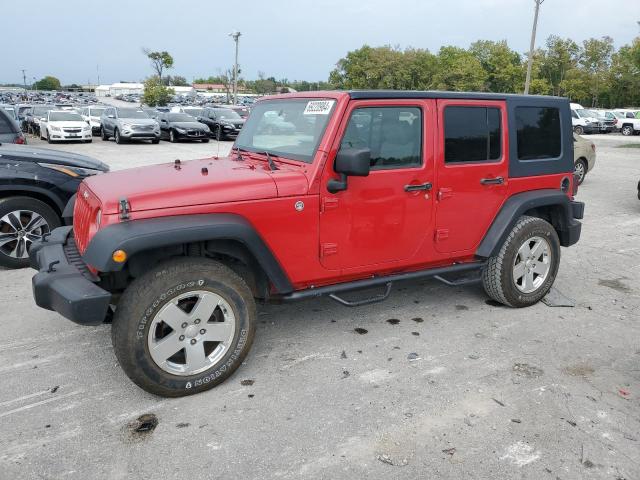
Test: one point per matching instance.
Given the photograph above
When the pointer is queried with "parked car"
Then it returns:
(240, 110)
(629, 125)
(584, 155)
(223, 122)
(35, 186)
(92, 116)
(124, 124)
(9, 129)
(584, 121)
(184, 254)
(180, 126)
(64, 125)
(35, 115)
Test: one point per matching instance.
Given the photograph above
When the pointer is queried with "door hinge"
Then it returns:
(445, 193)
(329, 203)
(327, 249)
(442, 234)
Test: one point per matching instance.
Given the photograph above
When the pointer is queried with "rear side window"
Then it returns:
(539, 135)
(6, 126)
(393, 134)
(472, 134)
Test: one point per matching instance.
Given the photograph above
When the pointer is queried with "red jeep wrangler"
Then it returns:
(323, 193)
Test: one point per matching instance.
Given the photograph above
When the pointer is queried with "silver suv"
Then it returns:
(124, 124)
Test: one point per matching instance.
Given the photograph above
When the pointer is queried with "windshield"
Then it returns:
(583, 112)
(65, 117)
(290, 128)
(96, 112)
(131, 113)
(226, 113)
(180, 117)
(41, 110)
(196, 112)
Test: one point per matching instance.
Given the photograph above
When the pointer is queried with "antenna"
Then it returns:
(218, 130)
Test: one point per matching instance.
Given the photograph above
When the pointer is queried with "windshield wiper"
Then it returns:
(238, 154)
(272, 164)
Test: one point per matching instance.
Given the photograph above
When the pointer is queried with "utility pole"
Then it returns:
(531, 47)
(98, 72)
(24, 80)
(236, 36)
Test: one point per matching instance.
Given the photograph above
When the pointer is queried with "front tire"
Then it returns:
(103, 135)
(116, 135)
(526, 266)
(578, 130)
(23, 220)
(172, 136)
(184, 326)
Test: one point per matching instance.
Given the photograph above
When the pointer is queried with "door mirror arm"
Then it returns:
(337, 185)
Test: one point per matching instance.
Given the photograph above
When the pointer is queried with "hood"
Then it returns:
(25, 153)
(188, 125)
(138, 121)
(164, 186)
(68, 123)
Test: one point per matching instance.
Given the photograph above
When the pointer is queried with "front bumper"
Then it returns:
(64, 136)
(63, 282)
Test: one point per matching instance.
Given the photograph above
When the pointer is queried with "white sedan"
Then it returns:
(64, 125)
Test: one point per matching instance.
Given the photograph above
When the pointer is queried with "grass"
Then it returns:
(630, 145)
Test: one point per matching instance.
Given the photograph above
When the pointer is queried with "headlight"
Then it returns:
(205, 128)
(181, 130)
(55, 129)
(86, 128)
(71, 171)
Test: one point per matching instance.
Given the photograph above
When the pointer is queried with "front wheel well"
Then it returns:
(35, 195)
(232, 253)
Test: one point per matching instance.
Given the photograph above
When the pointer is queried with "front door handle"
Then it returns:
(492, 181)
(415, 188)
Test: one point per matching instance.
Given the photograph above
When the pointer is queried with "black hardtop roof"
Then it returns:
(380, 94)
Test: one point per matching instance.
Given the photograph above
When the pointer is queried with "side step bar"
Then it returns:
(387, 281)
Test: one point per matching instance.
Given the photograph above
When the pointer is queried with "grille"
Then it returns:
(83, 215)
(74, 258)
(72, 130)
(142, 128)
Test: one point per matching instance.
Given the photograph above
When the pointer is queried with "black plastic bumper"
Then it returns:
(63, 283)
(571, 234)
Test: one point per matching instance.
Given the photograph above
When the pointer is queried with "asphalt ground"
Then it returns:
(436, 382)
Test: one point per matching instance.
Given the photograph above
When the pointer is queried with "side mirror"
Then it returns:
(354, 162)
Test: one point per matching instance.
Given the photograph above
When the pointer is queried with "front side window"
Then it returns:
(288, 128)
(538, 133)
(392, 134)
(472, 134)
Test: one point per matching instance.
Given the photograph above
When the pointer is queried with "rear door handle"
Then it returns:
(415, 188)
(492, 181)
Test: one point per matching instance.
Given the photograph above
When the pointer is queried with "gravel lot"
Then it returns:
(456, 388)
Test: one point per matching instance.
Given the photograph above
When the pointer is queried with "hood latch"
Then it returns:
(125, 209)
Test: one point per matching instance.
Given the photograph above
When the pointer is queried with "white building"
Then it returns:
(133, 89)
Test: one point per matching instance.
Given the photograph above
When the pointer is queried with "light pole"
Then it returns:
(236, 36)
(531, 47)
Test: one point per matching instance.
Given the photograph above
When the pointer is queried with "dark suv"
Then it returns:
(35, 186)
(364, 189)
(223, 122)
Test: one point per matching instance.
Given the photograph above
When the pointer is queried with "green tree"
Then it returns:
(504, 67)
(47, 83)
(459, 70)
(596, 62)
(160, 61)
(156, 93)
(176, 81)
(560, 57)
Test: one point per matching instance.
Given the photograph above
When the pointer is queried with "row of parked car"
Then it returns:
(585, 120)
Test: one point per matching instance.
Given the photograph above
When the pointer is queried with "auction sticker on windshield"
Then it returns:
(319, 107)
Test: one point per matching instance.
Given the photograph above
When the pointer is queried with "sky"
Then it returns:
(299, 40)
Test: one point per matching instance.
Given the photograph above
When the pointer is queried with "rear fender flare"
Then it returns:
(516, 206)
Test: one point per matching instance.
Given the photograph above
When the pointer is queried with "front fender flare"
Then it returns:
(139, 235)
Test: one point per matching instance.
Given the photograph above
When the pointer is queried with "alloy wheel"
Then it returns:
(580, 171)
(191, 333)
(532, 264)
(18, 230)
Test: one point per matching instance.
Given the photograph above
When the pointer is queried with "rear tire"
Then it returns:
(627, 130)
(162, 306)
(580, 170)
(532, 249)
